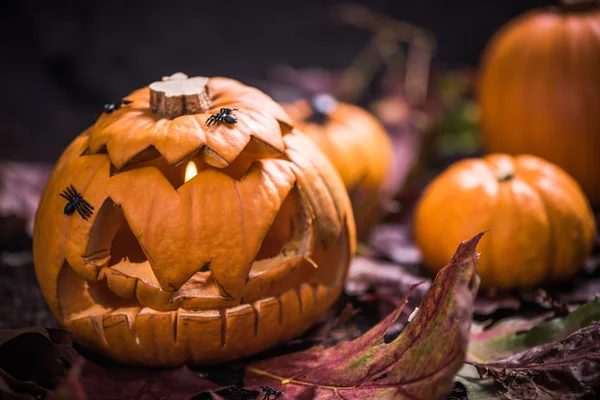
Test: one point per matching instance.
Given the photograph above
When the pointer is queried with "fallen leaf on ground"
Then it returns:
(37, 363)
(487, 304)
(395, 242)
(419, 364)
(365, 273)
(568, 369)
(34, 360)
(582, 292)
(348, 312)
(513, 335)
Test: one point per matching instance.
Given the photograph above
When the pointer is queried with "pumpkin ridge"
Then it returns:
(71, 245)
(552, 248)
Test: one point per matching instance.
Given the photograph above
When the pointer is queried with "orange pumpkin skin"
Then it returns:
(541, 227)
(221, 266)
(361, 151)
(540, 88)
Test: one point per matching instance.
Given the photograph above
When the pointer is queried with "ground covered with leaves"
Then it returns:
(395, 333)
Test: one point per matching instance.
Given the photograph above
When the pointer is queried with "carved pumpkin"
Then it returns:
(357, 145)
(245, 252)
(541, 227)
(540, 90)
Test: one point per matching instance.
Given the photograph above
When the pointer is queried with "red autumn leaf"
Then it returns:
(419, 364)
(40, 362)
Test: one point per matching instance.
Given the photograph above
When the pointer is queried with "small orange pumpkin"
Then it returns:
(540, 90)
(541, 227)
(357, 145)
(150, 266)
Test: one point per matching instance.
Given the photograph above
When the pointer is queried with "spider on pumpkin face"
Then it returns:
(224, 115)
(109, 108)
(75, 202)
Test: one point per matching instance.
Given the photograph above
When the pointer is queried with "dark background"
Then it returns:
(62, 60)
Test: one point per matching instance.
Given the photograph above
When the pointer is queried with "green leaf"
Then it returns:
(517, 334)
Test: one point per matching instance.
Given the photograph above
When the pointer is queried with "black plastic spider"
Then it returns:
(269, 391)
(109, 108)
(76, 203)
(224, 115)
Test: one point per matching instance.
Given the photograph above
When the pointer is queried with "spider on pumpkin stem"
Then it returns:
(76, 203)
(269, 391)
(109, 108)
(224, 115)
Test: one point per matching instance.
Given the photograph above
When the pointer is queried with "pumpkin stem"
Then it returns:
(578, 5)
(505, 174)
(322, 105)
(178, 95)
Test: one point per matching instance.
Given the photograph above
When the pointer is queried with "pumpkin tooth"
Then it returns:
(211, 157)
(90, 331)
(290, 316)
(306, 298)
(94, 264)
(155, 297)
(153, 327)
(198, 297)
(119, 329)
(268, 319)
(209, 322)
(274, 276)
(238, 328)
(122, 285)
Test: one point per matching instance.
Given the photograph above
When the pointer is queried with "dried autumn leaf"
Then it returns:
(513, 335)
(419, 364)
(568, 369)
(584, 290)
(366, 272)
(34, 360)
(38, 362)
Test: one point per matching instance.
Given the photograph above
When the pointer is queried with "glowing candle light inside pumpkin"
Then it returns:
(190, 171)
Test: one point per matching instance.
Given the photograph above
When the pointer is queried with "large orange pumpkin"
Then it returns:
(357, 145)
(246, 251)
(540, 90)
(541, 227)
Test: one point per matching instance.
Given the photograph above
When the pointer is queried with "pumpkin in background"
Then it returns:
(359, 148)
(541, 227)
(206, 241)
(540, 90)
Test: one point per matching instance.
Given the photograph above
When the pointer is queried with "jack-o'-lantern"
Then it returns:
(357, 145)
(191, 224)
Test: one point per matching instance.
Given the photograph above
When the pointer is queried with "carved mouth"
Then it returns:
(149, 326)
(141, 335)
(135, 333)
